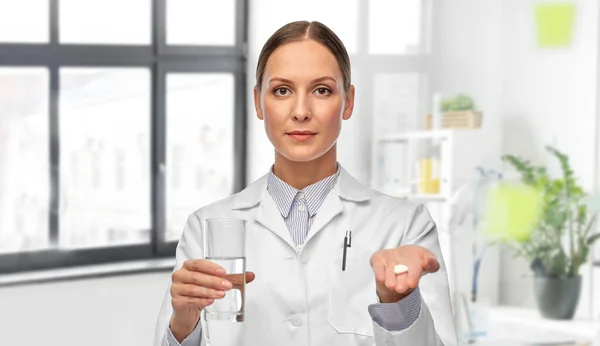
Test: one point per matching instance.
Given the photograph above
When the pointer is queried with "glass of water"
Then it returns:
(225, 245)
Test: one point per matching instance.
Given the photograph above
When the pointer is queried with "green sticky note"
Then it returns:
(512, 212)
(554, 24)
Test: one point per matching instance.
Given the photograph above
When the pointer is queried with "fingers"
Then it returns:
(401, 283)
(379, 270)
(413, 276)
(183, 302)
(194, 291)
(236, 279)
(390, 279)
(204, 266)
(201, 279)
(408, 280)
(199, 282)
(431, 263)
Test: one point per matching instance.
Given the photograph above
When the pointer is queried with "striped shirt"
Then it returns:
(299, 207)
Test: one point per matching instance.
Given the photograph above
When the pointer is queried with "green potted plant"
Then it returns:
(459, 102)
(561, 241)
(457, 112)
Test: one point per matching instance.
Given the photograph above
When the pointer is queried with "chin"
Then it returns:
(301, 154)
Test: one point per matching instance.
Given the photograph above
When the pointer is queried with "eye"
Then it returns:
(322, 91)
(281, 91)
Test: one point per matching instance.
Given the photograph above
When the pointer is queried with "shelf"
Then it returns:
(425, 197)
(419, 135)
(89, 271)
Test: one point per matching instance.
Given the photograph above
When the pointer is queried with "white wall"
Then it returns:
(534, 96)
(549, 98)
(116, 311)
(467, 58)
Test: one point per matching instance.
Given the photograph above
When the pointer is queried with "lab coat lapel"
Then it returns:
(331, 207)
(348, 189)
(268, 215)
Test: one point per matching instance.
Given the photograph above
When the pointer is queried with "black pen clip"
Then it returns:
(347, 244)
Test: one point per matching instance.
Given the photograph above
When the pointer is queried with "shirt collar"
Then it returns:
(284, 194)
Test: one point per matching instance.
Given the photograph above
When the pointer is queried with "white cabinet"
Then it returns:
(459, 153)
(429, 167)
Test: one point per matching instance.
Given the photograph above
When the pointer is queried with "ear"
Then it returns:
(349, 104)
(257, 106)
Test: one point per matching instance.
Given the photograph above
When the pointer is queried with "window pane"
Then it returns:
(395, 26)
(24, 159)
(398, 106)
(105, 156)
(105, 21)
(339, 15)
(193, 22)
(397, 102)
(200, 123)
(24, 21)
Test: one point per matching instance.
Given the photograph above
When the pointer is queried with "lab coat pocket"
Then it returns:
(351, 292)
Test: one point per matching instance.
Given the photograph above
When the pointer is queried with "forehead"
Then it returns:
(303, 59)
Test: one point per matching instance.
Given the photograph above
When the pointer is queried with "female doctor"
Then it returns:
(297, 216)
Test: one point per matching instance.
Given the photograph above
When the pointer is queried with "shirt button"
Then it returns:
(296, 321)
(301, 195)
(301, 207)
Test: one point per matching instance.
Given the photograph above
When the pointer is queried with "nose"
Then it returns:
(301, 111)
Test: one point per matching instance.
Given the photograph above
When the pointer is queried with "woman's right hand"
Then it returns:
(195, 286)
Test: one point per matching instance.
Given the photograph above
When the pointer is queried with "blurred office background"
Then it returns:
(119, 118)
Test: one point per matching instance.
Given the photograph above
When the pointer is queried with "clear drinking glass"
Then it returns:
(224, 244)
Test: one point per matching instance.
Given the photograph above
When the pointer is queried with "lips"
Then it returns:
(302, 133)
(302, 136)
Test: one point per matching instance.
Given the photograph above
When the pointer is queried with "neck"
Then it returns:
(302, 174)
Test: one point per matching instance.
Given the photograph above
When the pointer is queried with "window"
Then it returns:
(105, 22)
(24, 143)
(24, 21)
(189, 23)
(200, 121)
(112, 116)
(401, 20)
(103, 112)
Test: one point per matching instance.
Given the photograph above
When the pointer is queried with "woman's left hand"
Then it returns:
(393, 287)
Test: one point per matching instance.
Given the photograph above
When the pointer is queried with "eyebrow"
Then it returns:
(314, 81)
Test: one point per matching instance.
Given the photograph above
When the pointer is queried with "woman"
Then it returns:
(297, 216)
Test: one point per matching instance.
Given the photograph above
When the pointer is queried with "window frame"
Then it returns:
(418, 63)
(160, 59)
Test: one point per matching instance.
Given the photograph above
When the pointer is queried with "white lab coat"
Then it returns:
(300, 296)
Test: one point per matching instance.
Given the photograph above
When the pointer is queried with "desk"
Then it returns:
(511, 326)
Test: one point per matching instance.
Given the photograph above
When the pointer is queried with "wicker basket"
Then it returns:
(457, 120)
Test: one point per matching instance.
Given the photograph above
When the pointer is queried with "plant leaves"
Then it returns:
(590, 224)
(592, 239)
(564, 217)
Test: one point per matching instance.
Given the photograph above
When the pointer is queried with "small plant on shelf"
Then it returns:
(459, 102)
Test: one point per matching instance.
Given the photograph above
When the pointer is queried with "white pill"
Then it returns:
(400, 269)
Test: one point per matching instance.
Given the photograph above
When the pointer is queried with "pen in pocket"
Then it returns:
(347, 244)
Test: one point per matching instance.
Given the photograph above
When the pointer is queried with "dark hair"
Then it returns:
(304, 30)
